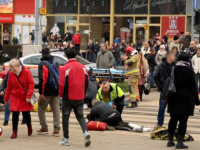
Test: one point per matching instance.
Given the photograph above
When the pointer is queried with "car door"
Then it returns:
(32, 63)
(60, 60)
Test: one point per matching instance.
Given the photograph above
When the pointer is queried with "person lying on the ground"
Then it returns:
(102, 112)
(111, 94)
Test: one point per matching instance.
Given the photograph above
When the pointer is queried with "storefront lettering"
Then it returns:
(132, 4)
(160, 2)
(6, 18)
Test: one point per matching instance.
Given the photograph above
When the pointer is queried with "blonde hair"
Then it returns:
(14, 62)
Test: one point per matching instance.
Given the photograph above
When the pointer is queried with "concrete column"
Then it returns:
(112, 18)
(38, 27)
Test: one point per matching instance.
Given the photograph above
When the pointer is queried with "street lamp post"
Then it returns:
(38, 27)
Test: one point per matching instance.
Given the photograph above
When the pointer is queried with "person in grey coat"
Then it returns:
(105, 58)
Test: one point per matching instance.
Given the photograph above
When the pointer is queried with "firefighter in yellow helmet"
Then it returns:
(133, 74)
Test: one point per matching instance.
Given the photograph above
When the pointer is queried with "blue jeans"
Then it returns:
(116, 62)
(197, 77)
(161, 111)
(95, 57)
(32, 41)
(152, 80)
(7, 111)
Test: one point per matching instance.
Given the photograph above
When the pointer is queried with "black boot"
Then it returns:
(141, 89)
(180, 144)
(170, 140)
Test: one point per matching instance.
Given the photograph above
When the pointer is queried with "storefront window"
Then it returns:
(85, 37)
(124, 28)
(62, 6)
(189, 23)
(141, 20)
(131, 6)
(95, 7)
(153, 30)
(55, 25)
(155, 20)
(166, 7)
(71, 19)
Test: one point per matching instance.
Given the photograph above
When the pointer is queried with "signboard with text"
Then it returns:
(173, 25)
(7, 18)
(6, 6)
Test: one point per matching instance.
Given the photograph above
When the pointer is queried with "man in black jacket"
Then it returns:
(160, 75)
(68, 36)
(32, 36)
(47, 95)
(102, 112)
(150, 56)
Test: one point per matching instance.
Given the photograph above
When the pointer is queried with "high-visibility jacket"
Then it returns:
(134, 68)
(115, 92)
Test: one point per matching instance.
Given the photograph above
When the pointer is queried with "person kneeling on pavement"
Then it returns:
(111, 94)
(102, 112)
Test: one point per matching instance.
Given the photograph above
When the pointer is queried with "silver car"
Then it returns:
(32, 61)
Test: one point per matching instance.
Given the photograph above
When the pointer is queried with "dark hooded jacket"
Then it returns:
(162, 72)
(151, 60)
(43, 72)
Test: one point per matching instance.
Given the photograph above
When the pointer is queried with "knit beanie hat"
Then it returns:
(176, 37)
(184, 57)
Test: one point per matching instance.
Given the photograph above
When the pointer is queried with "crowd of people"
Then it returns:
(151, 62)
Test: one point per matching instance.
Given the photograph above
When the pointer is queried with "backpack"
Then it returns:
(169, 87)
(54, 75)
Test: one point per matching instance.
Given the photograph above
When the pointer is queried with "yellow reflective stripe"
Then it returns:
(133, 71)
(133, 95)
(98, 124)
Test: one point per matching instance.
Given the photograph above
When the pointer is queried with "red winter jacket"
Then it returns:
(77, 39)
(17, 93)
(74, 81)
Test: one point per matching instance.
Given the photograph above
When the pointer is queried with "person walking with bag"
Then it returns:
(181, 104)
(48, 72)
(20, 89)
(161, 73)
(73, 85)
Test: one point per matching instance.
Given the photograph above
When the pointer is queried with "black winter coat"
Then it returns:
(151, 61)
(186, 96)
(100, 111)
(161, 73)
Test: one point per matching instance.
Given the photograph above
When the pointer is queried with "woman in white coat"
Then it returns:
(196, 67)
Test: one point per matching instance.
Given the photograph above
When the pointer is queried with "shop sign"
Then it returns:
(168, 7)
(131, 6)
(6, 6)
(6, 18)
(43, 11)
(173, 25)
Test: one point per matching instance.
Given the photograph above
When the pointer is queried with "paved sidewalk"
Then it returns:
(145, 114)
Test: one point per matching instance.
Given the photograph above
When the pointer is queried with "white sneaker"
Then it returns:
(85, 106)
(64, 142)
(140, 130)
(87, 139)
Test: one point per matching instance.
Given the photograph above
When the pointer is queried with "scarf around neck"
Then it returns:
(183, 63)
